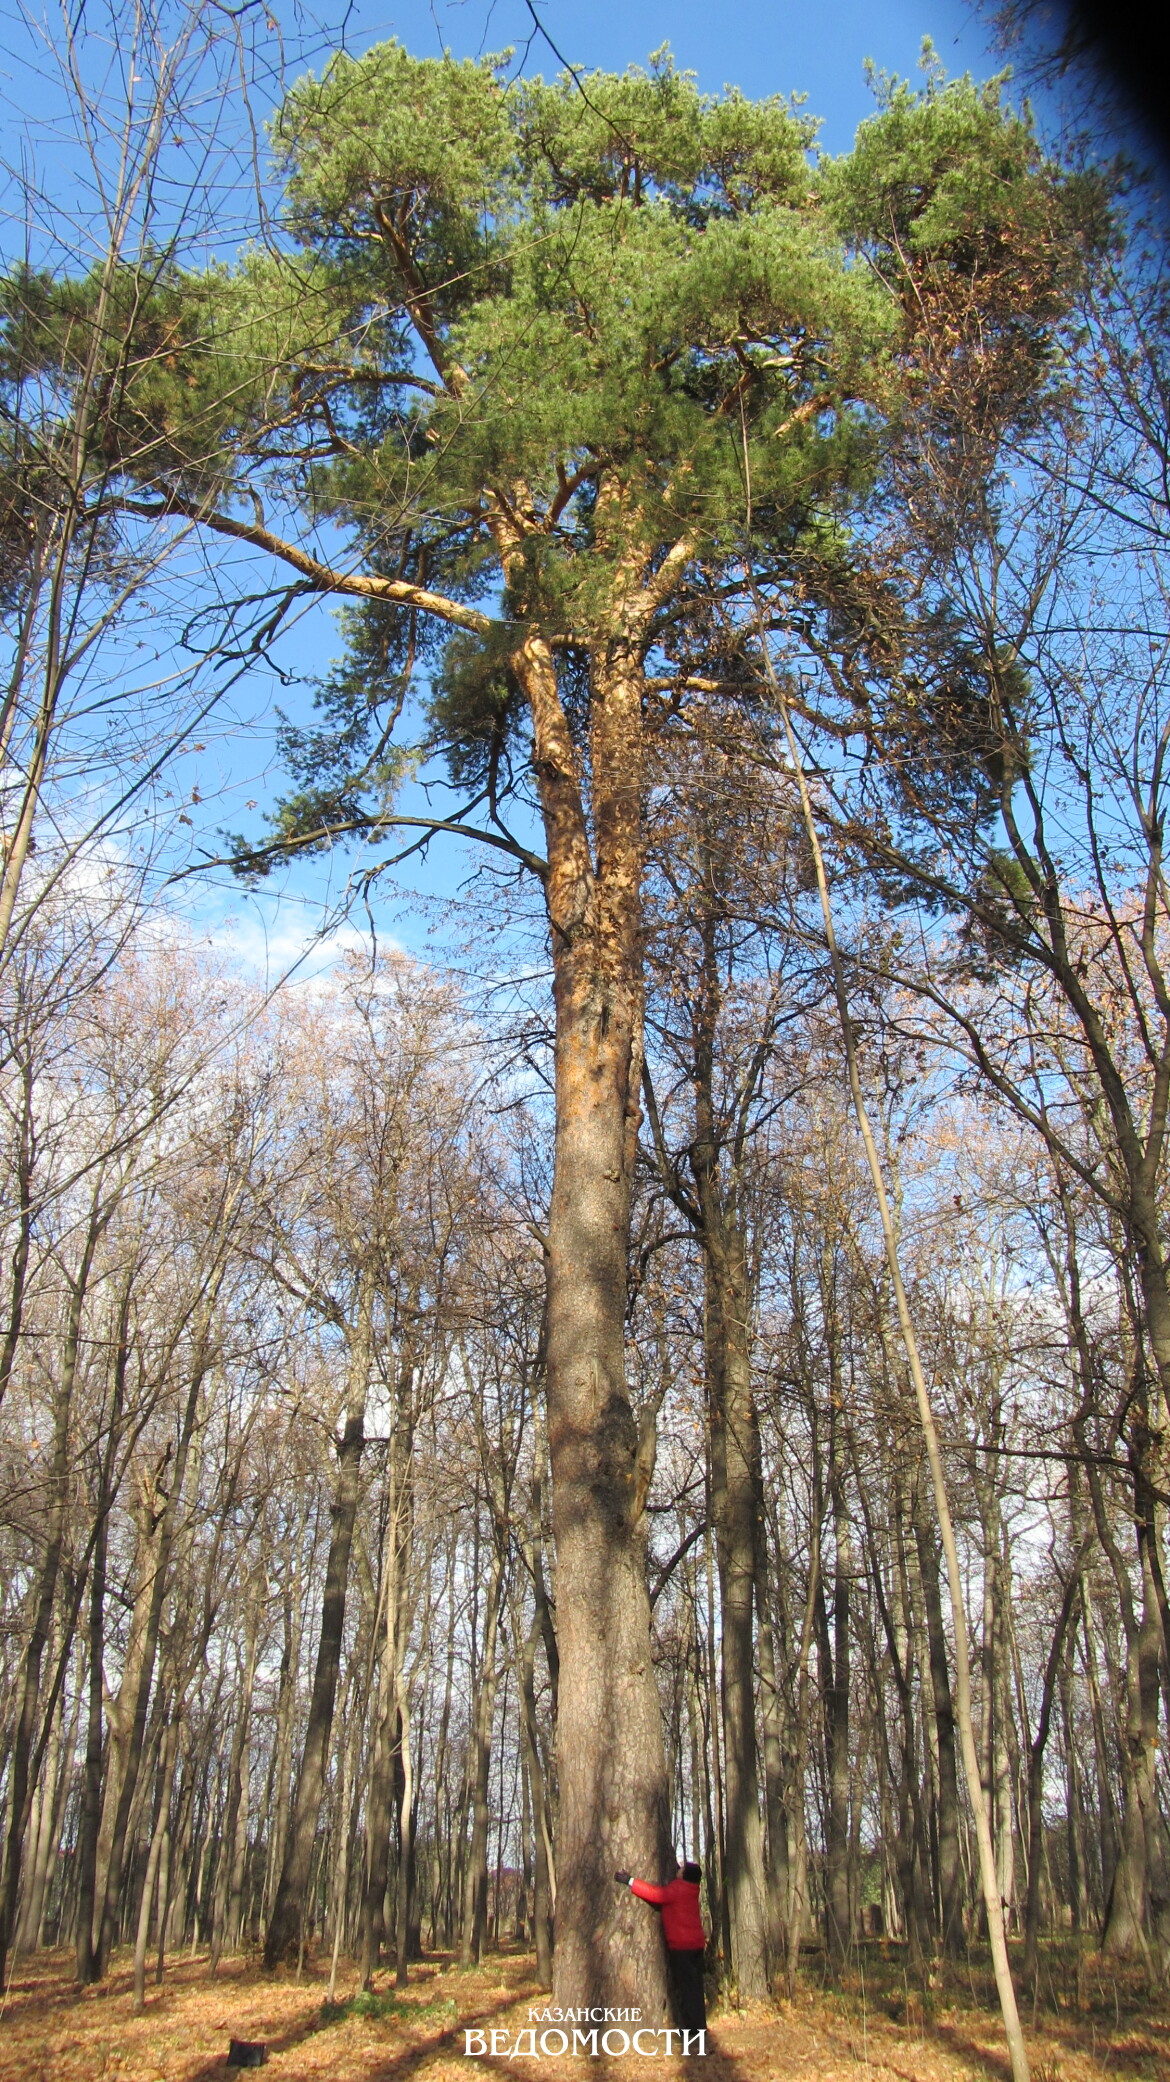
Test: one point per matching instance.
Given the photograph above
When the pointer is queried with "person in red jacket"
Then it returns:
(686, 1940)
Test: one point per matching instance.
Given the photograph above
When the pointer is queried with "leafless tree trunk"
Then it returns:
(285, 1926)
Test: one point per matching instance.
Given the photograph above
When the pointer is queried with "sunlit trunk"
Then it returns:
(611, 1758)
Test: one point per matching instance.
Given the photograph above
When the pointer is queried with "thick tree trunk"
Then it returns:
(1127, 1903)
(1139, 1850)
(611, 1757)
(283, 1937)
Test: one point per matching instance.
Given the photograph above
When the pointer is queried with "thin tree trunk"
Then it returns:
(1054, 1663)
(475, 1881)
(89, 1826)
(542, 1906)
(440, 1863)
(798, 1866)
(949, 1859)
(229, 1878)
(286, 1923)
(282, 1760)
(404, 1880)
(838, 1927)
(167, 1767)
(19, 1788)
(379, 1808)
(998, 1936)
(772, 1724)
(716, 1864)
(26, 1152)
(1074, 1798)
(735, 1509)
(390, 1722)
(1106, 1805)
(134, 1750)
(43, 1834)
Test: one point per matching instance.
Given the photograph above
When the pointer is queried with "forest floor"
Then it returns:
(1090, 2027)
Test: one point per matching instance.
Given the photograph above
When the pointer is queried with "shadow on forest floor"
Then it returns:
(882, 2023)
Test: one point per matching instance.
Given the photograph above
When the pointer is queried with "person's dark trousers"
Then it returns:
(687, 1998)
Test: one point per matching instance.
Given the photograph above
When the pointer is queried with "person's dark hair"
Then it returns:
(692, 1872)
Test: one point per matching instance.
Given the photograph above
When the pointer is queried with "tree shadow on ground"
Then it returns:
(443, 2044)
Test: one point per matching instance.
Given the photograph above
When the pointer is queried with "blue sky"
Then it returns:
(780, 47)
(784, 47)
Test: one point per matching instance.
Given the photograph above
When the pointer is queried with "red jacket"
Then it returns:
(682, 1925)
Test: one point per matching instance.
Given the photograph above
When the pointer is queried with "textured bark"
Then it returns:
(1139, 1849)
(611, 1758)
(1127, 1896)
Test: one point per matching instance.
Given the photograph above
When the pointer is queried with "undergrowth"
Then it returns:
(367, 2003)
